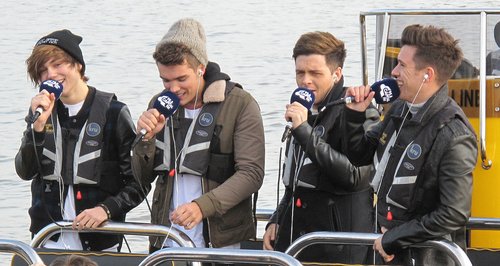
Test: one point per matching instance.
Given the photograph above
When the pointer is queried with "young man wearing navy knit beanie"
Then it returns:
(75, 149)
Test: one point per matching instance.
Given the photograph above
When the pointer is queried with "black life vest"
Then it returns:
(193, 140)
(88, 148)
(399, 185)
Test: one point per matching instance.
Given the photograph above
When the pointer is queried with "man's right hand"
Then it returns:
(47, 101)
(363, 96)
(269, 237)
(152, 121)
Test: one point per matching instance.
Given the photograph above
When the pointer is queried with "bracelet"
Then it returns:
(106, 210)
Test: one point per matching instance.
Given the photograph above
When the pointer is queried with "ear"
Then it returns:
(201, 70)
(429, 74)
(337, 74)
(78, 66)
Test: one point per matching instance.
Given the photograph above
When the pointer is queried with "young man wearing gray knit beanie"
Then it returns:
(208, 157)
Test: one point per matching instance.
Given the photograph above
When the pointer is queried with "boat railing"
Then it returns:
(476, 223)
(23, 250)
(244, 255)
(484, 223)
(220, 255)
(263, 215)
(343, 238)
(127, 228)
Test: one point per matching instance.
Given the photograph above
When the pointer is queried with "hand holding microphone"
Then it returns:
(153, 120)
(43, 103)
(301, 101)
(359, 98)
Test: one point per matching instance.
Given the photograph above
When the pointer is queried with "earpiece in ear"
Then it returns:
(200, 72)
(426, 76)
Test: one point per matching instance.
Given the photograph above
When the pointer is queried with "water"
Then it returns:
(252, 41)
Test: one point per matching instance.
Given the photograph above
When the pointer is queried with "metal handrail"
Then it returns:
(432, 11)
(476, 223)
(484, 223)
(21, 249)
(344, 238)
(485, 162)
(220, 255)
(263, 215)
(127, 228)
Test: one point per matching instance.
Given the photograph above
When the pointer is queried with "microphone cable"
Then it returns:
(136, 141)
(278, 190)
(138, 179)
(409, 107)
(60, 182)
(298, 166)
(175, 183)
(383, 173)
(178, 155)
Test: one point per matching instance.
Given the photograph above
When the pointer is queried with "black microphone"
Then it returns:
(166, 103)
(386, 91)
(303, 96)
(51, 86)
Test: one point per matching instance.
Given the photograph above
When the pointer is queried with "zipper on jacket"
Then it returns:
(208, 222)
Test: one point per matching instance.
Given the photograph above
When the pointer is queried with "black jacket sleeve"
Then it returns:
(143, 156)
(285, 200)
(347, 175)
(27, 157)
(359, 141)
(133, 192)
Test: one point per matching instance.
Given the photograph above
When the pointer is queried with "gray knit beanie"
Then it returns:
(189, 32)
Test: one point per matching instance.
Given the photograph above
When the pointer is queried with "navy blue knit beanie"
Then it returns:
(67, 41)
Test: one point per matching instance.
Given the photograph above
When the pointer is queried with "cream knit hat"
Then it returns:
(189, 32)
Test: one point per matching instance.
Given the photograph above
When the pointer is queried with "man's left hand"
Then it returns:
(377, 246)
(187, 215)
(90, 218)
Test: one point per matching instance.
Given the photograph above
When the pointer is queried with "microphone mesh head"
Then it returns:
(52, 86)
(386, 90)
(303, 96)
(167, 103)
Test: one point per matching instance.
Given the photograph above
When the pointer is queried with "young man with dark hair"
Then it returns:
(329, 193)
(424, 150)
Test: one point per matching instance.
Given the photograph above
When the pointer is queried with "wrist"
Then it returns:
(106, 210)
(38, 127)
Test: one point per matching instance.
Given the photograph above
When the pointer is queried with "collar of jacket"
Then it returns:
(82, 115)
(215, 81)
(336, 92)
(434, 104)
